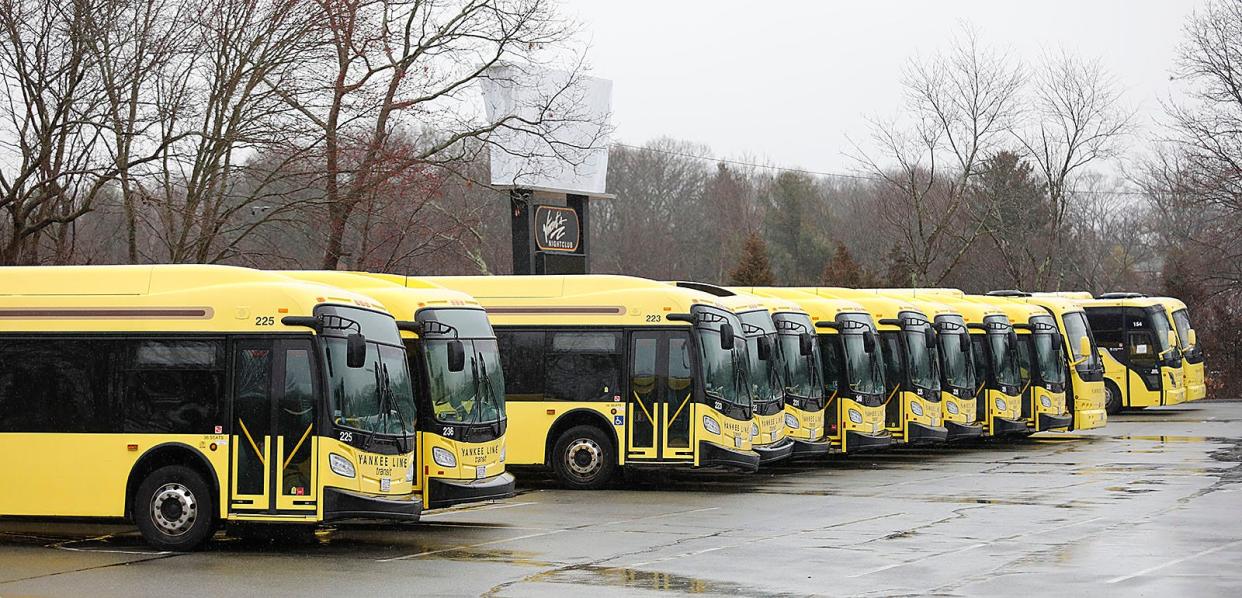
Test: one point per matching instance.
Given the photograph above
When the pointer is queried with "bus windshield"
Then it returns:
(864, 371)
(1160, 323)
(1076, 328)
(724, 372)
(1181, 319)
(474, 395)
(1048, 359)
(959, 368)
(378, 397)
(765, 374)
(1004, 354)
(802, 375)
(924, 372)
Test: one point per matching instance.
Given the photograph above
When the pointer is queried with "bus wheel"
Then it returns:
(173, 509)
(1112, 398)
(583, 458)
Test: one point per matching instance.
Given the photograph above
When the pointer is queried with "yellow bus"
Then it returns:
(1139, 348)
(458, 385)
(852, 371)
(957, 366)
(912, 409)
(603, 372)
(182, 397)
(1084, 395)
(1041, 366)
(1193, 368)
(994, 350)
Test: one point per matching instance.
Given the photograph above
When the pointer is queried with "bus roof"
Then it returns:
(931, 303)
(184, 298)
(819, 308)
(973, 309)
(881, 307)
(1018, 312)
(570, 299)
(402, 301)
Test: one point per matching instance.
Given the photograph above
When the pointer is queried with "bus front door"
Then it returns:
(272, 443)
(661, 397)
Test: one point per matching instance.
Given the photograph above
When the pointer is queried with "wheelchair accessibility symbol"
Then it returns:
(618, 420)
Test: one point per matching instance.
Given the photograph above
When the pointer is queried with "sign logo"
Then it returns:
(556, 228)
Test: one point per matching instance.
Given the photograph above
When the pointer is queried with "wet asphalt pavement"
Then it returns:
(1149, 505)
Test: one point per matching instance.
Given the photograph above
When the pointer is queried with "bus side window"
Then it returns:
(583, 366)
(521, 359)
(1142, 348)
(58, 385)
(174, 386)
(1108, 328)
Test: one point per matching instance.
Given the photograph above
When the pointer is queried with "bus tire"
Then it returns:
(174, 510)
(1112, 398)
(583, 458)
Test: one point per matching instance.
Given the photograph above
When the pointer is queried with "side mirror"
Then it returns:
(764, 346)
(869, 341)
(929, 336)
(806, 344)
(1084, 347)
(1056, 340)
(726, 336)
(456, 356)
(355, 350)
(964, 339)
(1013, 340)
(1192, 339)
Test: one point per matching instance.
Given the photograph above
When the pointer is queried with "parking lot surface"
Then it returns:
(1148, 505)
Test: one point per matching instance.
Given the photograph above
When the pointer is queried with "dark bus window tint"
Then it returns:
(1107, 326)
(174, 387)
(57, 385)
(894, 371)
(521, 358)
(680, 389)
(297, 416)
(583, 366)
(252, 413)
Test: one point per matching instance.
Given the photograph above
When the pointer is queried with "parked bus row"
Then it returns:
(187, 398)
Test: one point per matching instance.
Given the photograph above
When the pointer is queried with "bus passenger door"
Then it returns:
(643, 397)
(678, 381)
(272, 443)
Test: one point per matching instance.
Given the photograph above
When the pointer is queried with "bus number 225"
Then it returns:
(264, 321)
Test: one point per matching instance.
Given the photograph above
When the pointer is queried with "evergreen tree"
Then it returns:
(753, 270)
(843, 271)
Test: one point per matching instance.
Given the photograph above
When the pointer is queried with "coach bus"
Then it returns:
(1041, 366)
(1140, 350)
(181, 397)
(604, 372)
(957, 366)
(852, 371)
(1084, 393)
(1193, 368)
(912, 403)
(458, 385)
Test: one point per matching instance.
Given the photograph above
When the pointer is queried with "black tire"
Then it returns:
(174, 510)
(583, 458)
(1112, 398)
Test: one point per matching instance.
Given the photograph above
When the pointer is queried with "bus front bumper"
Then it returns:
(917, 433)
(810, 448)
(777, 451)
(714, 455)
(1048, 421)
(857, 442)
(345, 504)
(959, 431)
(444, 492)
(1002, 426)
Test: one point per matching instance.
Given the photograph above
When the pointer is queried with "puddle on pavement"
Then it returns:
(636, 579)
(1167, 439)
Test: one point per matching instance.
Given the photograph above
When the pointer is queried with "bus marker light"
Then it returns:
(132, 447)
(282, 310)
(551, 412)
(613, 411)
(213, 447)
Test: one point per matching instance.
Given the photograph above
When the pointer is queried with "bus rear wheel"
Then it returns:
(173, 509)
(583, 458)
(1112, 398)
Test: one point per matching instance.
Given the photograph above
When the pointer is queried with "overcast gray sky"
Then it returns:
(792, 81)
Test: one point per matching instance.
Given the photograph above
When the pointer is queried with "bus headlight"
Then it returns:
(409, 472)
(754, 430)
(951, 407)
(341, 466)
(711, 425)
(502, 453)
(916, 408)
(1000, 404)
(1045, 401)
(442, 457)
(855, 416)
(791, 421)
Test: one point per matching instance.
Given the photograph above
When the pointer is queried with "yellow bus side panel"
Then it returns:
(526, 437)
